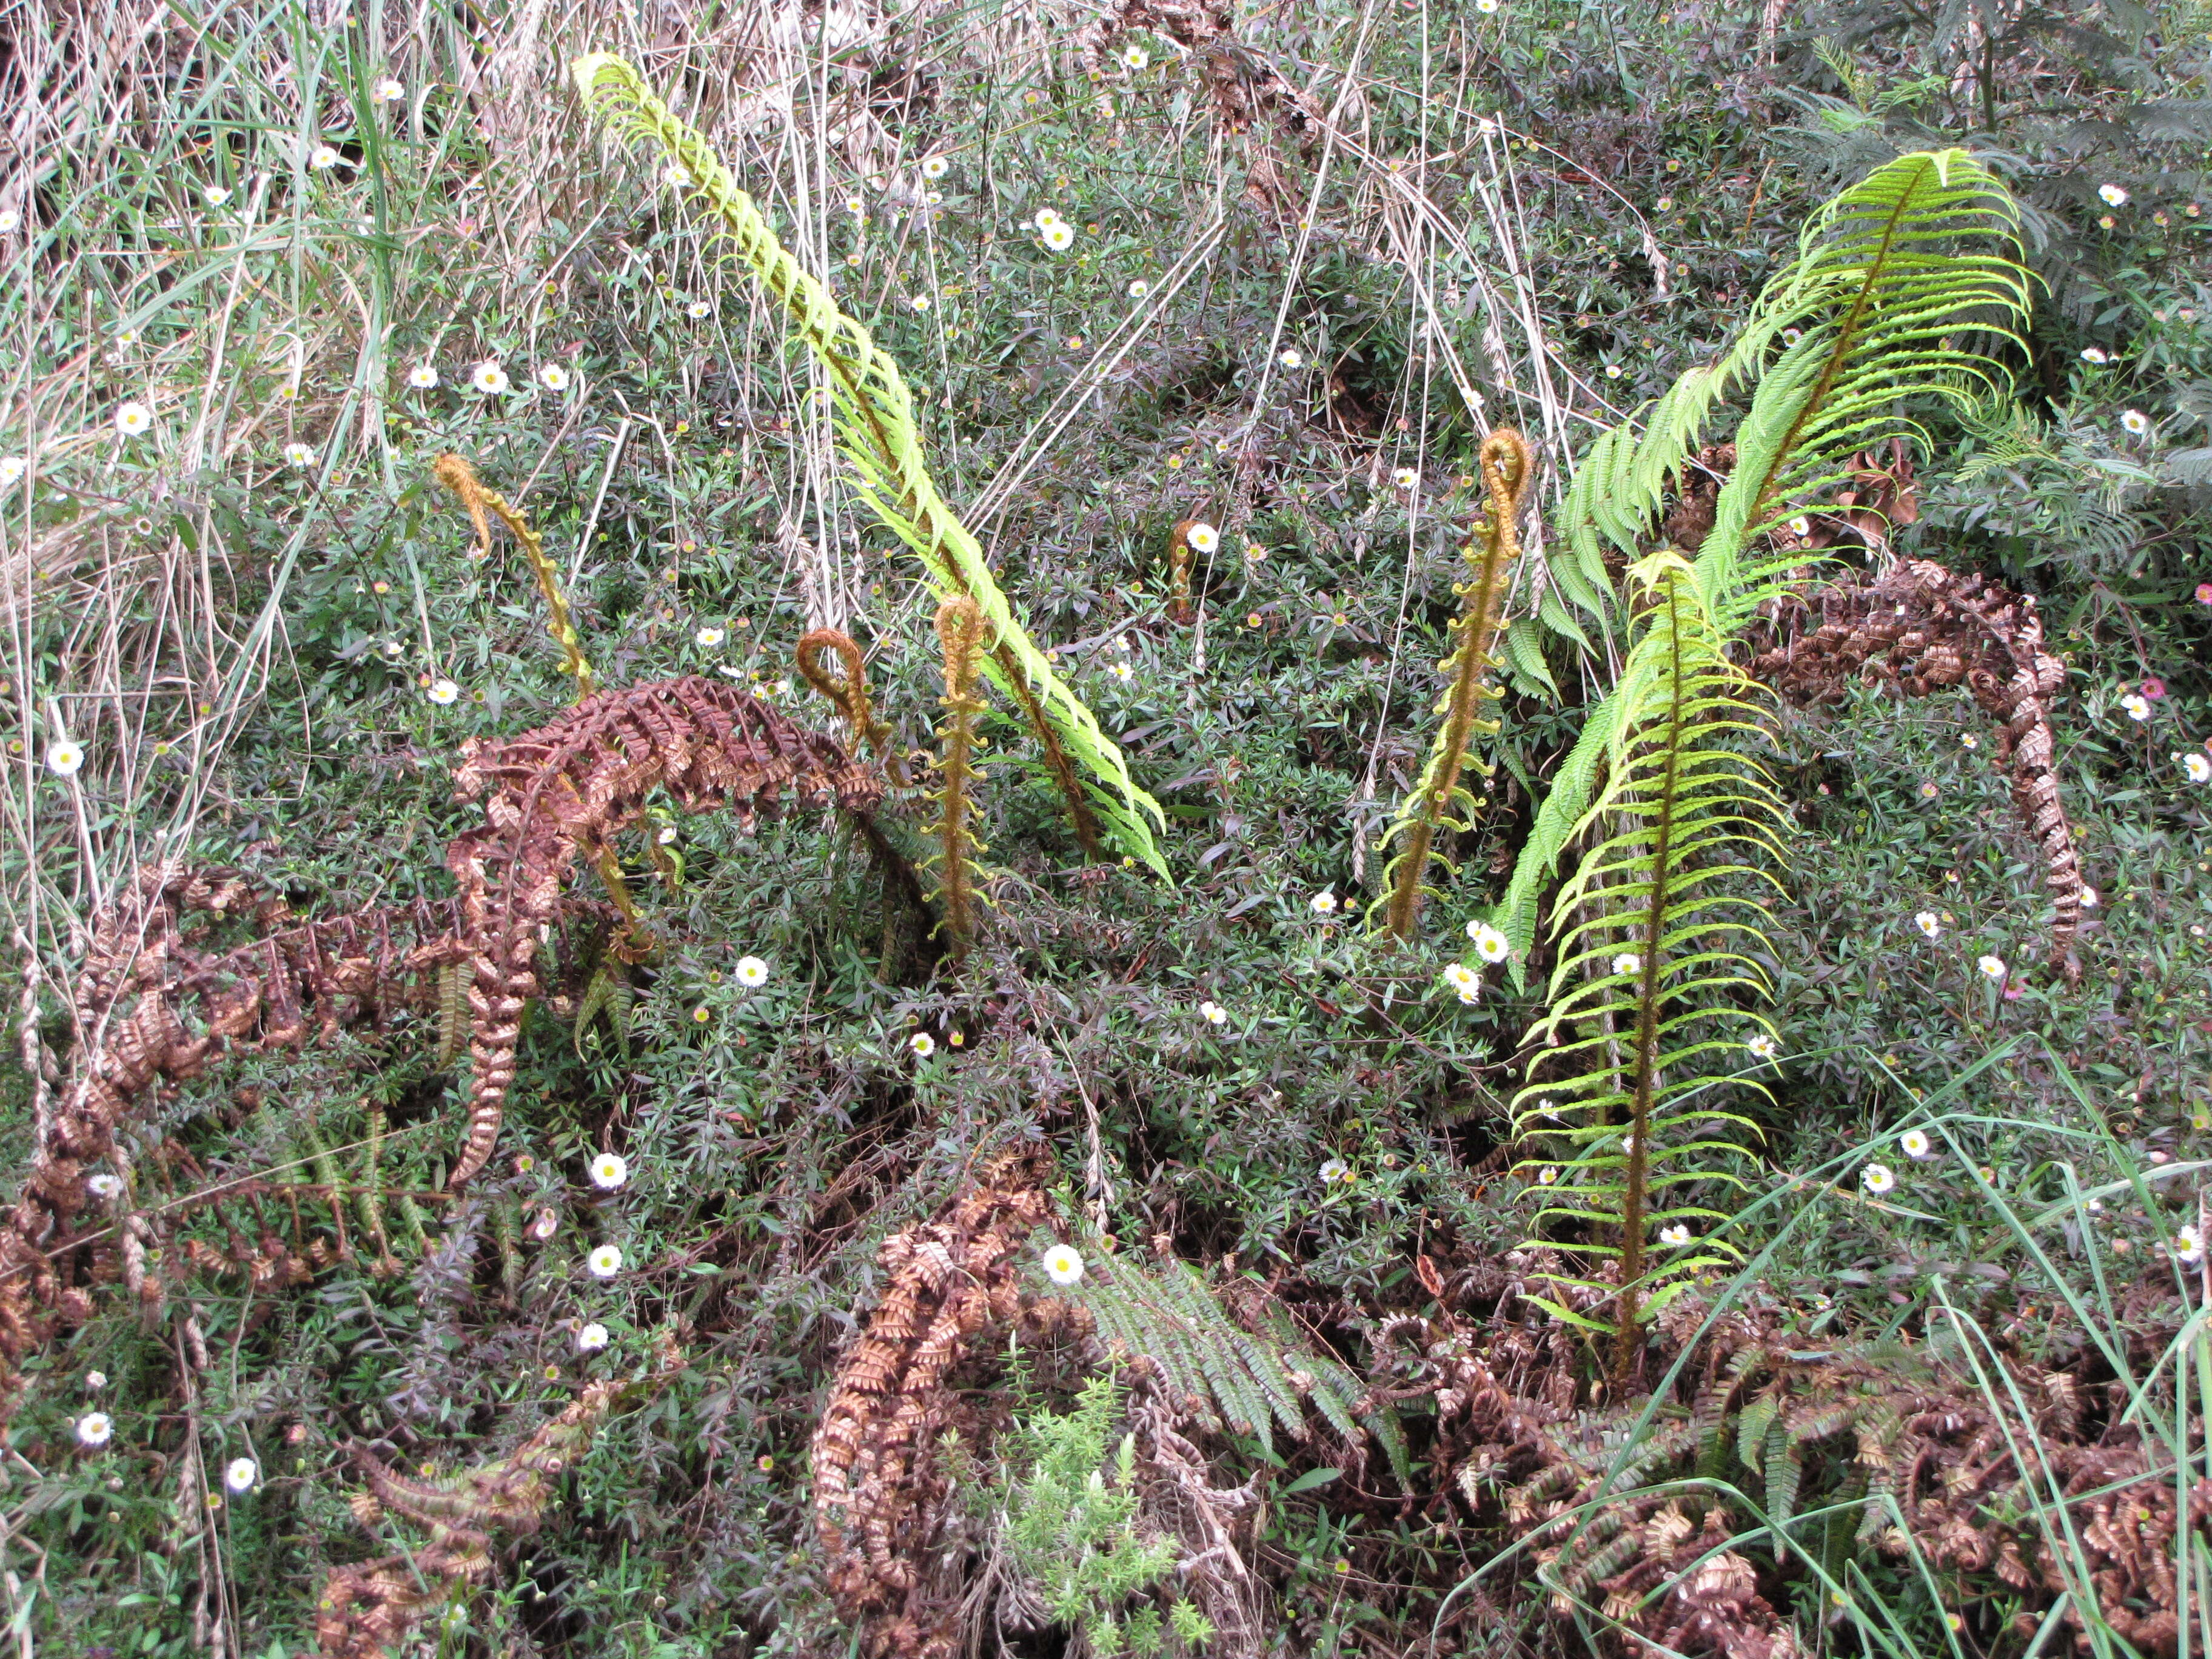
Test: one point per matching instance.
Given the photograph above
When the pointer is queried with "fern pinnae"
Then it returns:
(879, 437)
(960, 625)
(1507, 467)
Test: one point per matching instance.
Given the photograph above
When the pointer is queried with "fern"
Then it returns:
(1506, 470)
(1653, 940)
(1890, 278)
(876, 426)
(960, 629)
(1169, 1316)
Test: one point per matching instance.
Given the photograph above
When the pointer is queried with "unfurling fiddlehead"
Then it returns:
(876, 426)
(1506, 465)
(457, 475)
(849, 693)
(960, 626)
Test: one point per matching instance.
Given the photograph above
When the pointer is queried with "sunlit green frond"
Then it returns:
(1900, 286)
(1659, 940)
(877, 435)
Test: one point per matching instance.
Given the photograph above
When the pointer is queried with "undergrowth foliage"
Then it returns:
(540, 1133)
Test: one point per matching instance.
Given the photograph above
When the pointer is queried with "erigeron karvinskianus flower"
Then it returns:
(388, 91)
(134, 420)
(1927, 923)
(299, 455)
(2136, 705)
(240, 1473)
(1405, 478)
(592, 1338)
(1059, 236)
(215, 195)
(488, 378)
(1323, 903)
(1628, 962)
(444, 692)
(1334, 1170)
(2198, 768)
(2112, 195)
(1676, 1235)
(1488, 8)
(1063, 1266)
(1459, 976)
(1202, 537)
(1992, 969)
(605, 1262)
(543, 1224)
(1489, 944)
(2189, 1245)
(751, 972)
(2094, 355)
(1547, 1176)
(709, 637)
(553, 377)
(923, 1044)
(2136, 421)
(1763, 1047)
(1136, 57)
(12, 467)
(609, 1170)
(1214, 1013)
(94, 1429)
(324, 159)
(95, 1381)
(1877, 1179)
(1139, 288)
(1916, 1146)
(423, 377)
(1291, 358)
(936, 167)
(64, 757)
(104, 1185)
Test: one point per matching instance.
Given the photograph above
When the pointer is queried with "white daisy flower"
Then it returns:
(240, 1473)
(393, 648)
(1991, 967)
(12, 467)
(1202, 537)
(423, 377)
(324, 159)
(592, 1338)
(443, 692)
(1928, 923)
(2198, 768)
(1628, 962)
(1763, 1047)
(1059, 236)
(1334, 1170)
(94, 1429)
(104, 1185)
(2137, 706)
(1612, 371)
(2113, 194)
(134, 420)
(675, 178)
(1139, 288)
(1470, 990)
(388, 91)
(1405, 478)
(1063, 1266)
(1547, 1176)
(216, 195)
(609, 1170)
(605, 1262)
(1877, 1179)
(1801, 526)
(666, 836)
(1487, 8)
(2093, 355)
(299, 455)
(1046, 218)
(934, 199)
(1323, 903)
(9, 218)
(923, 1044)
(2189, 1245)
(1459, 975)
(488, 378)
(936, 167)
(553, 377)
(1916, 1146)
(543, 1224)
(2136, 421)
(64, 757)
(1489, 944)
(1291, 357)
(752, 973)
(919, 302)
(1214, 1013)
(95, 1381)
(1677, 1235)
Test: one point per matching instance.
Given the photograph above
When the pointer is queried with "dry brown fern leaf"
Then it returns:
(1921, 628)
(372, 1607)
(152, 1005)
(875, 1501)
(570, 787)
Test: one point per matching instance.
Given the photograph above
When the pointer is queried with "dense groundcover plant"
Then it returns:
(1159, 828)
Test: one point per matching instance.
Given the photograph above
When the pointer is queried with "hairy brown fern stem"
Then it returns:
(457, 475)
(849, 694)
(1921, 628)
(877, 1504)
(960, 626)
(1507, 468)
(570, 787)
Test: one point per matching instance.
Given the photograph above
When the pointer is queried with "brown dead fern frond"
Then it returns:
(569, 788)
(877, 1502)
(1921, 628)
(371, 1608)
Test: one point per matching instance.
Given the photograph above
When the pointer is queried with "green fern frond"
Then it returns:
(876, 432)
(1657, 942)
(1896, 284)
